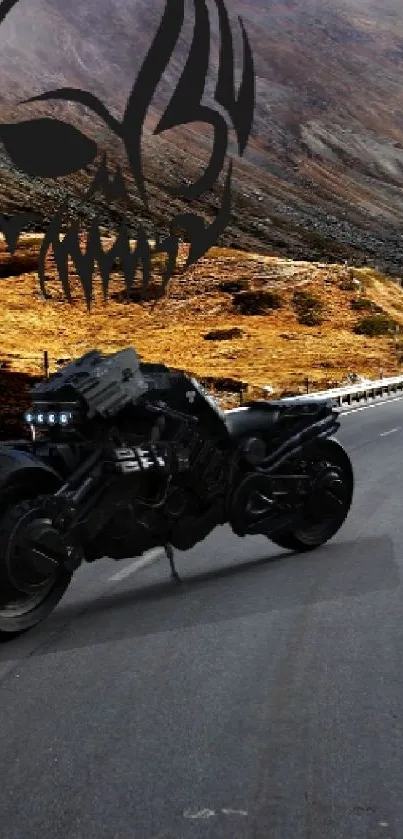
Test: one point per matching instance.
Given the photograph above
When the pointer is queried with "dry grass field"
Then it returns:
(233, 316)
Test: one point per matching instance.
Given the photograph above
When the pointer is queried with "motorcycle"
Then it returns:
(125, 456)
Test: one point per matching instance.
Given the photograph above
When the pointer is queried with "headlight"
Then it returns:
(51, 418)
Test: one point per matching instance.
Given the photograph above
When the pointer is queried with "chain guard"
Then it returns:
(255, 499)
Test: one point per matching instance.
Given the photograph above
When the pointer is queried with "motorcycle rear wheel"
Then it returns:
(21, 610)
(317, 529)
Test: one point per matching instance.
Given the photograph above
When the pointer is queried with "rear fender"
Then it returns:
(335, 447)
(22, 470)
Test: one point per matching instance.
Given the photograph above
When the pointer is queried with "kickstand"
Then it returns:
(170, 554)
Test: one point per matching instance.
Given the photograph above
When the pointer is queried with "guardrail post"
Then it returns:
(46, 363)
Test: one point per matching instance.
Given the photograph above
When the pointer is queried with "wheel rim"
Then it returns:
(22, 587)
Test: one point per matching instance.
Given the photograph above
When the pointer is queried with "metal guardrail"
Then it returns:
(363, 392)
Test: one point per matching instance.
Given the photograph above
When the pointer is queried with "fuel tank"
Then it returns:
(185, 394)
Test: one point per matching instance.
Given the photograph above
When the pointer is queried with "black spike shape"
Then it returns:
(12, 227)
(185, 105)
(112, 187)
(241, 108)
(82, 97)
(84, 260)
(203, 238)
(52, 240)
(150, 75)
(5, 8)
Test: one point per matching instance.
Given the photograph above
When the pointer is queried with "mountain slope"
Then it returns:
(323, 173)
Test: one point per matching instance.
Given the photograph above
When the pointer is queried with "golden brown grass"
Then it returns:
(273, 349)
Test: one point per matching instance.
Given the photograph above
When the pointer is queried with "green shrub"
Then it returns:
(15, 265)
(273, 299)
(374, 325)
(310, 318)
(233, 286)
(364, 303)
(256, 302)
(223, 334)
(309, 308)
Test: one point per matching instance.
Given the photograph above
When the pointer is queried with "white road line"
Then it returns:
(147, 559)
(201, 814)
(392, 431)
(207, 814)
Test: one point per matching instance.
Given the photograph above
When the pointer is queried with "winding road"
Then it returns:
(261, 700)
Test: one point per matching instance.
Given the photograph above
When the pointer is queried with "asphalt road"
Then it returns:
(263, 700)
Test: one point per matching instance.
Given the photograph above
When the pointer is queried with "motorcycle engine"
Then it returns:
(101, 400)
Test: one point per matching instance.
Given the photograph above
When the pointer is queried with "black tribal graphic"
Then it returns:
(51, 148)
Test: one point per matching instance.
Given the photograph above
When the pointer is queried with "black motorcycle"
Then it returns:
(125, 456)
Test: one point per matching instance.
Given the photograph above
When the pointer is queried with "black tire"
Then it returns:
(313, 534)
(18, 611)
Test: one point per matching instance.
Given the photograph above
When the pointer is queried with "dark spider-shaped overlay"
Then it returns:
(51, 148)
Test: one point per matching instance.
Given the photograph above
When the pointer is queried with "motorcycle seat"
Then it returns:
(248, 420)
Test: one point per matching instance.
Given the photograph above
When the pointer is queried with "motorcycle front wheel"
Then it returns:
(326, 509)
(27, 596)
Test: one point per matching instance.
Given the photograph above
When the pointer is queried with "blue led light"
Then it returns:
(51, 418)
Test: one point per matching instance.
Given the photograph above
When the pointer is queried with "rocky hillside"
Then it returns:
(322, 176)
